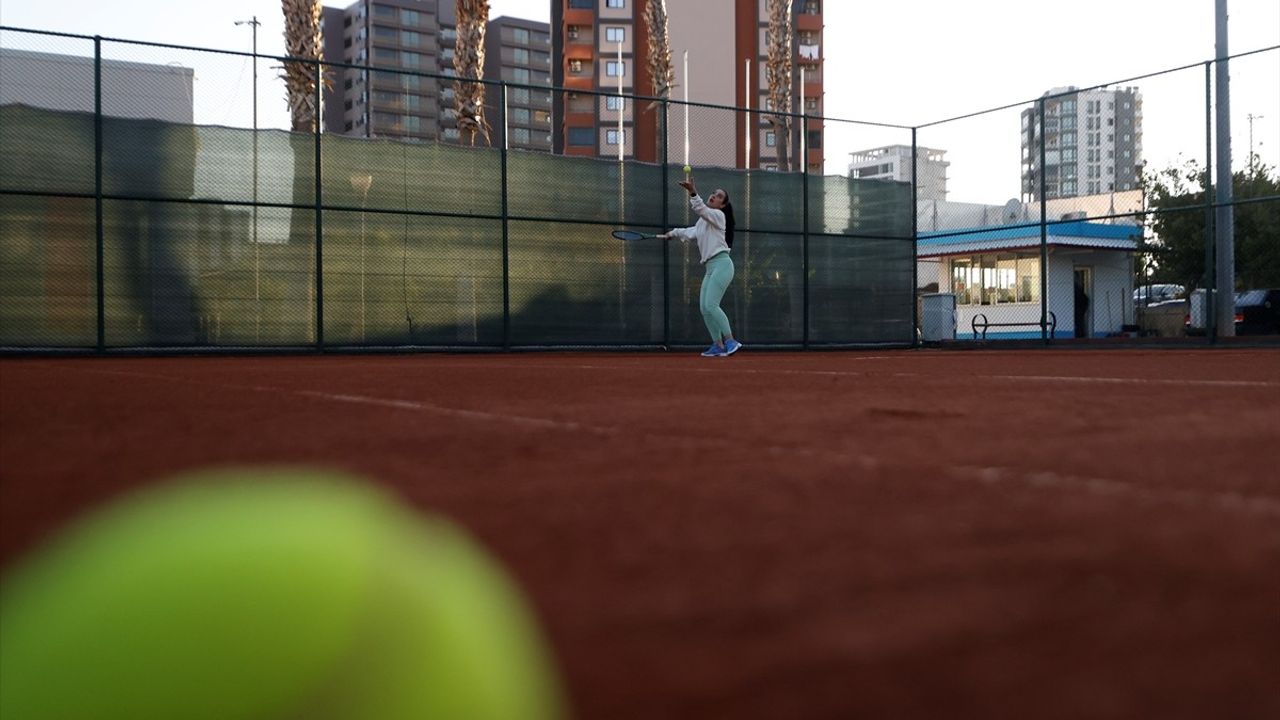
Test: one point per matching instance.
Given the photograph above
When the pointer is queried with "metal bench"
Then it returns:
(980, 321)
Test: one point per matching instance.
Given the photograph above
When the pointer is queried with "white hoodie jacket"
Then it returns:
(709, 232)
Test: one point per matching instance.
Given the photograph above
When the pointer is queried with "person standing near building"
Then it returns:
(1081, 309)
(714, 235)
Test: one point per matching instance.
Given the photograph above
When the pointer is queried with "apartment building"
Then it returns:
(601, 49)
(893, 162)
(1092, 143)
(66, 82)
(518, 52)
(398, 39)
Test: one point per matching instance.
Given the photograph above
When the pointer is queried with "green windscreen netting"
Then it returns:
(210, 236)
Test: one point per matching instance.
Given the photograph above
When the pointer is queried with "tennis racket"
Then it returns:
(633, 235)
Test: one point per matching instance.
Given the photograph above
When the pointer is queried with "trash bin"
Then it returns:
(937, 317)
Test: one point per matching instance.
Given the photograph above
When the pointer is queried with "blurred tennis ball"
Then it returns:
(277, 594)
(687, 169)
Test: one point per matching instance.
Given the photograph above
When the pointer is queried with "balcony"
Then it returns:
(810, 22)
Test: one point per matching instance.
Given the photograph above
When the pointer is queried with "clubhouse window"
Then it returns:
(996, 279)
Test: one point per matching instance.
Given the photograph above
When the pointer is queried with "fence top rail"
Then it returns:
(799, 116)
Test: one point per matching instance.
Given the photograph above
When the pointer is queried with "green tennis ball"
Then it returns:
(687, 169)
(278, 594)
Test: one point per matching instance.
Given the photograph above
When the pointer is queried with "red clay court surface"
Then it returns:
(903, 534)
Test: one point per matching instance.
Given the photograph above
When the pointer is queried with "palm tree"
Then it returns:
(302, 39)
(778, 72)
(468, 62)
(661, 71)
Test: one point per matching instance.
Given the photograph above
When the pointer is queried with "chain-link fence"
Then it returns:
(161, 196)
(1098, 228)
(130, 223)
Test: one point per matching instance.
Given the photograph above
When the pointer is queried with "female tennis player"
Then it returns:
(714, 233)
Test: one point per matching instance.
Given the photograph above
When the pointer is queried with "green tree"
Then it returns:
(1176, 203)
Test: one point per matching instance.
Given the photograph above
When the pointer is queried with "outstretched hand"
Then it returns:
(688, 185)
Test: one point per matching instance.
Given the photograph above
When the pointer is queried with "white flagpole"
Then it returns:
(686, 108)
(621, 104)
(747, 130)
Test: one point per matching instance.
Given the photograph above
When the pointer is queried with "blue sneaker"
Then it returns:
(713, 351)
(731, 347)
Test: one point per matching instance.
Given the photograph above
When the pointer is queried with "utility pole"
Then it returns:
(1224, 213)
(257, 292)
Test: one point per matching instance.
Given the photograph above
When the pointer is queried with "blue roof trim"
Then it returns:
(1101, 236)
(1076, 229)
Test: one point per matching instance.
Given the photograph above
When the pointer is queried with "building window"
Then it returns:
(582, 137)
(452, 134)
(410, 60)
(615, 34)
(520, 116)
(611, 137)
(615, 102)
(521, 56)
(519, 95)
(410, 17)
(520, 135)
(613, 68)
(770, 139)
(409, 38)
(384, 11)
(815, 139)
(520, 75)
(995, 280)
(520, 35)
(575, 67)
(582, 4)
(572, 32)
(615, 3)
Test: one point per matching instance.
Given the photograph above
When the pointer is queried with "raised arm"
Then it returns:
(700, 208)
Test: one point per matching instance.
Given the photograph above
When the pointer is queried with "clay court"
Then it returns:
(1074, 533)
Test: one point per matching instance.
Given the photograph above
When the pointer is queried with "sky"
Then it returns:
(908, 62)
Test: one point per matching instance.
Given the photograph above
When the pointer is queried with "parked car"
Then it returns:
(1157, 293)
(1258, 312)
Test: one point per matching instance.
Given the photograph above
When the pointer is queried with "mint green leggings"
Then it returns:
(714, 283)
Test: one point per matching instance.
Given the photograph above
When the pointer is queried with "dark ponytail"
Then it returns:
(728, 221)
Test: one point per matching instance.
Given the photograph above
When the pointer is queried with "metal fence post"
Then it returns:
(99, 230)
(915, 239)
(666, 223)
(804, 205)
(1044, 232)
(506, 229)
(319, 78)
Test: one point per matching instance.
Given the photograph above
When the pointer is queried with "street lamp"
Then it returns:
(257, 293)
(1251, 118)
